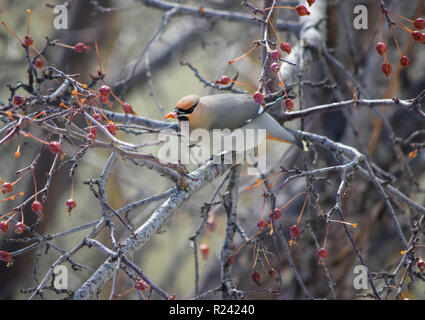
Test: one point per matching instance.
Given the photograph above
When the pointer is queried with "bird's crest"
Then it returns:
(187, 102)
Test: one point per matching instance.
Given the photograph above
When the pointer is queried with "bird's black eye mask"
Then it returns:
(181, 111)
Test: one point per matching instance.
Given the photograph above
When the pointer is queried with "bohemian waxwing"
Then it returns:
(229, 111)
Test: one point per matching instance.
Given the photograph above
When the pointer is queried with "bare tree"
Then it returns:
(89, 199)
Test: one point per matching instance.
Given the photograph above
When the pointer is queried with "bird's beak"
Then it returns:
(172, 114)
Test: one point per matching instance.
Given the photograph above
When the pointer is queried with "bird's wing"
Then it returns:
(229, 111)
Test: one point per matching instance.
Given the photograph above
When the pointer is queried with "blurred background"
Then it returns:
(121, 35)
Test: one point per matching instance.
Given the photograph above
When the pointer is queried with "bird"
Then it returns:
(230, 111)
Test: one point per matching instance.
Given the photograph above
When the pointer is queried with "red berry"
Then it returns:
(259, 98)
(302, 11)
(4, 226)
(140, 285)
(421, 265)
(97, 117)
(422, 38)
(224, 80)
(127, 108)
(275, 67)
(285, 47)
(310, 2)
(419, 23)
(204, 250)
(112, 128)
(70, 204)
(20, 227)
(105, 90)
(5, 256)
(92, 132)
(6, 187)
(210, 223)
(103, 99)
(404, 61)
(256, 277)
(276, 214)
(55, 147)
(261, 224)
(289, 104)
(294, 231)
(323, 254)
(275, 55)
(36, 207)
(416, 35)
(18, 100)
(381, 48)
(80, 47)
(386, 68)
(38, 63)
(273, 273)
(28, 41)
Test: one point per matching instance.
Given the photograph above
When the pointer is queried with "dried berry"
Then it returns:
(323, 254)
(55, 147)
(20, 227)
(419, 23)
(289, 104)
(275, 55)
(302, 11)
(256, 277)
(259, 98)
(28, 41)
(285, 47)
(386, 68)
(97, 117)
(18, 100)
(105, 90)
(261, 224)
(92, 132)
(4, 226)
(70, 204)
(294, 231)
(38, 63)
(273, 273)
(224, 80)
(6, 187)
(80, 47)
(6, 257)
(36, 207)
(275, 67)
(141, 285)
(205, 250)
(381, 48)
(421, 265)
(404, 61)
(127, 108)
(277, 213)
(416, 35)
(103, 99)
(112, 128)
